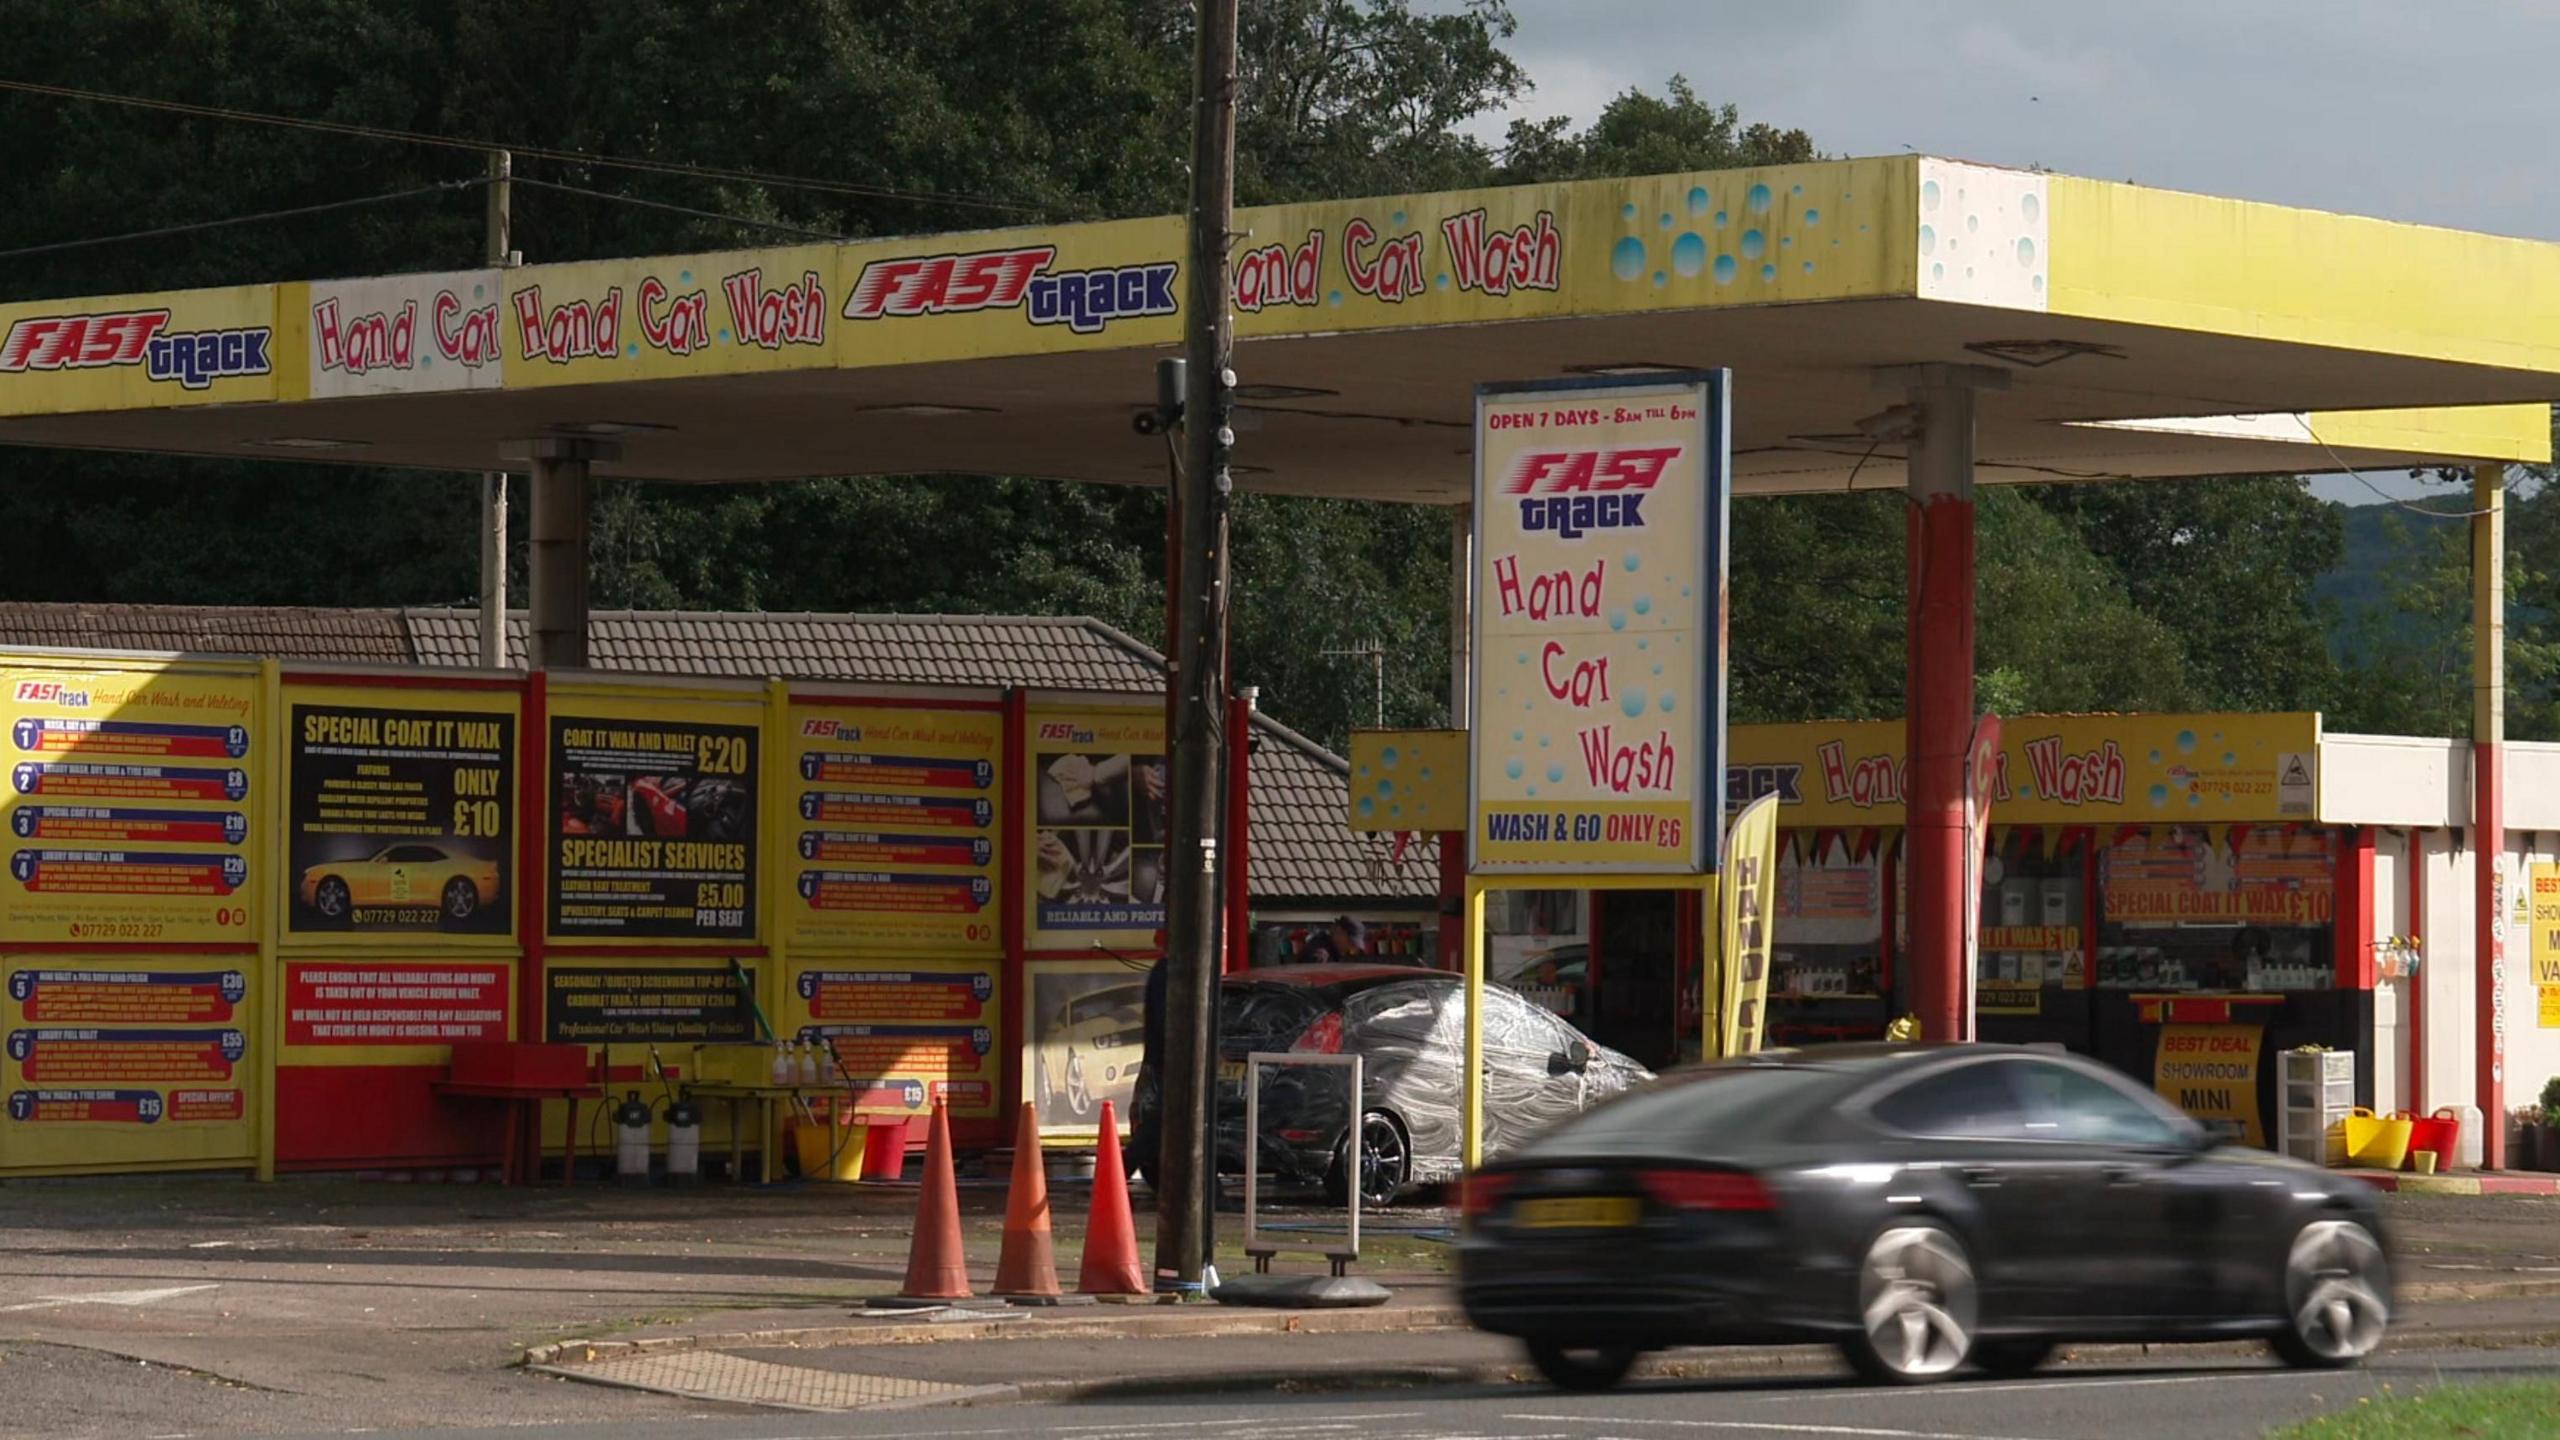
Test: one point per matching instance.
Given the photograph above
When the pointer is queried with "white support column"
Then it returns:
(556, 552)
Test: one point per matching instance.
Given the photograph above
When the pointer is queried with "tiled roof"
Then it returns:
(1300, 850)
(301, 632)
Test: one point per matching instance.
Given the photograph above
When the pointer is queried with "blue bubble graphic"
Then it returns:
(1393, 810)
(1808, 267)
(1426, 772)
(1440, 282)
(1533, 792)
(1928, 239)
(1644, 644)
(1555, 773)
(2026, 251)
(1388, 757)
(2186, 742)
(1813, 217)
(1542, 742)
(2159, 796)
(1795, 189)
(684, 277)
(1633, 701)
(1386, 787)
(2230, 759)
(1665, 221)
(1644, 604)
(1768, 272)
(1937, 272)
(1520, 659)
(1928, 194)
(1661, 277)
(1754, 244)
(1633, 562)
(1627, 260)
(1513, 769)
(2029, 207)
(1396, 219)
(1367, 807)
(2195, 797)
(1668, 704)
(2155, 757)
(2038, 283)
(1627, 211)
(1684, 592)
(1657, 669)
(1333, 297)
(1720, 219)
(1517, 735)
(1724, 269)
(1697, 199)
(1617, 619)
(1689, 254)
(1757, 201)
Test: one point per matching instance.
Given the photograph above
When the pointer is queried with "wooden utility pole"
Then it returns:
(1186, 1188)
(493, 485)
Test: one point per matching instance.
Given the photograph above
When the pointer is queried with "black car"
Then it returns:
(1921, 1207)
(1408, 1026)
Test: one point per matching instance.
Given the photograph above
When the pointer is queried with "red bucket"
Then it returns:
(2441, 1133)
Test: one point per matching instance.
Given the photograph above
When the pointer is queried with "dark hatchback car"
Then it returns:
(1921, 1207)
(1409, 1028)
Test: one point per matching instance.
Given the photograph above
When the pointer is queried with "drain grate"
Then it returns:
(711, 1375)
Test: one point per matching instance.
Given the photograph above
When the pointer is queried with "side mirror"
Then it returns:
(1560, 1064)
(1579, 1055)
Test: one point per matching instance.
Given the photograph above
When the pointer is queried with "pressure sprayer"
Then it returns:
(684, 1129)
(631, 1140)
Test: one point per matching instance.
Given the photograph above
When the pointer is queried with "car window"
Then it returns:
(1717, 1105)
(1972, 1102)
(1401, 1013)
(2068, 1104)
(1264, 1017)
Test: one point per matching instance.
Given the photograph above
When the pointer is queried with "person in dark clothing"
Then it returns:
(1146, 1102)
(1345, 939)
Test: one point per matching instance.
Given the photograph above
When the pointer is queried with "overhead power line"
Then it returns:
(774, 225)
(263, 215)
(520, 150)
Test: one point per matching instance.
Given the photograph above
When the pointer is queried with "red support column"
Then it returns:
(2416, 1019)
(1938, 684)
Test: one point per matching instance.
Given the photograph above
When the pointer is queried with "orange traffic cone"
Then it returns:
(1027, 1271)
(937, 1269)
(1111, 1233)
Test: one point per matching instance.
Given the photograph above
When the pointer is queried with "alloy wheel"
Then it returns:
(2335, 1281)
(1916, 1304)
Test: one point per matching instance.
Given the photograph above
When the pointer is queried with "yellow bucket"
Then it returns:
(827, 1152)
(2376, 1142)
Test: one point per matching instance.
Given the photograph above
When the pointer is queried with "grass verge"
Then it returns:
(2524, 1410)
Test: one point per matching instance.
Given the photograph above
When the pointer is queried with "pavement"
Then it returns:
(203, 1307)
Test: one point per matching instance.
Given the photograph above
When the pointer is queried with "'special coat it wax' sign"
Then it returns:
(1600, 673)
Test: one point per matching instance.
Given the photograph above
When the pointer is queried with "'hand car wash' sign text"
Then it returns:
(1600, 682)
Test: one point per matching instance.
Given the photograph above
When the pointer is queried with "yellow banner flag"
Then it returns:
(1747, 902)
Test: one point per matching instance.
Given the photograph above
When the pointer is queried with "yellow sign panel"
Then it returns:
(1409, 780)
(670, 316)
(903, 1035)
(2211, 1072)
(894, 817)
(2053, 769)
(135, 352)
(1096, 781)
(128, 806)
(1747, 903)
(128, 1061)
(1599, 674)
(2543, 949)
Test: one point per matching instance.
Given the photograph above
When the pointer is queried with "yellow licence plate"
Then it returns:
(1231, 1071)
(1580, 1212)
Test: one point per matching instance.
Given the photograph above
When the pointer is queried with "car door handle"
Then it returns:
(1980, 1177)
(2121, 1174)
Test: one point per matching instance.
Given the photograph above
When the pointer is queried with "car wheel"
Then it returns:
(461, 899)
(1581, 1367)
(330, 898)
(1386, 1163)
(2010, 1359)
(1916, 1306)
(1079, 1095)
(2335, 1284)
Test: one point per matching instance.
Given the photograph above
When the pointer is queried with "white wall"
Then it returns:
(2447, 970)
(2533, 785)
(2394, 780)
(2391, 997)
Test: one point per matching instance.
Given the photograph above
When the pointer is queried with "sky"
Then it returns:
(2434, 111)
